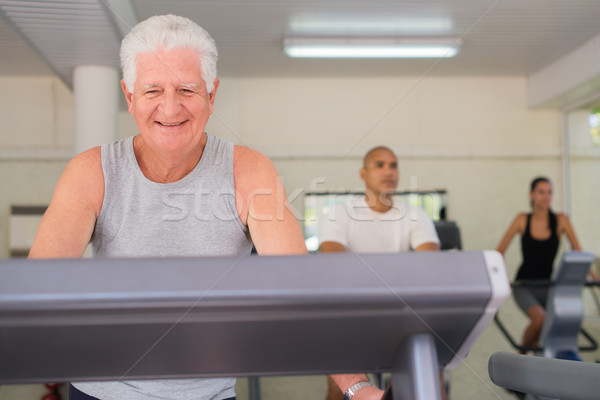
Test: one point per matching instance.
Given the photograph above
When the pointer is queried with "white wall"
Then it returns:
(35, 113)
(585, 178)
(473, 136)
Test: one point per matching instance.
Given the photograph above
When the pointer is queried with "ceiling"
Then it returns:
(499, 37)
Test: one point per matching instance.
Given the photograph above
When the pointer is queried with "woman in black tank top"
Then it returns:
(540, 233)
(538, 254)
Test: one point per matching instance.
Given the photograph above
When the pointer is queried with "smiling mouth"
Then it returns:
(173, 124)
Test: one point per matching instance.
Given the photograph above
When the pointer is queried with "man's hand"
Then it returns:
(345, 381)
(368, 393)
(331, 247)
(429, 246)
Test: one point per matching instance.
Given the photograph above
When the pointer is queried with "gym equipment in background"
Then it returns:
(564, 309)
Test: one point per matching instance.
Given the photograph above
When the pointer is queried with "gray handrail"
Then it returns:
(562, 379)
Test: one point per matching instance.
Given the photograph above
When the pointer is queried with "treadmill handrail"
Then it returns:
(239, 316)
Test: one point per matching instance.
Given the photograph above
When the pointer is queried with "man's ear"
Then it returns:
(362, 174)
(213, 94)
(128, 95)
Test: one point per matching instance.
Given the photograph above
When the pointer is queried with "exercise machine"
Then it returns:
(564, 310)
(558, 340)
(545, 378)
(410, 314)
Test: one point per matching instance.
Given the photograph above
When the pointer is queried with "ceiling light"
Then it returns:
(382, 25)
(371, 47)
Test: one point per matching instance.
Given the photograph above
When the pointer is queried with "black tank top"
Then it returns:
(538, 255)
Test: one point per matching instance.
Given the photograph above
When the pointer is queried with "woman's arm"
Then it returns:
(517, 226)
(564, 226)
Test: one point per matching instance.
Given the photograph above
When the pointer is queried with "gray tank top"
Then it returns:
(195, 216)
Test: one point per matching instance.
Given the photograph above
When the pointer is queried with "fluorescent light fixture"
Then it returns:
(371, 47)
(382, 25)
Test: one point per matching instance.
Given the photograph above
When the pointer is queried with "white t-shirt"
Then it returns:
(361, 230)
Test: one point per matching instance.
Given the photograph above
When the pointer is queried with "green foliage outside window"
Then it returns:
(595, 126)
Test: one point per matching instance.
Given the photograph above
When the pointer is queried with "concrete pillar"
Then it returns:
(96, 94)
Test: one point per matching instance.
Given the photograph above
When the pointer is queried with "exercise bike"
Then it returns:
(564, 313)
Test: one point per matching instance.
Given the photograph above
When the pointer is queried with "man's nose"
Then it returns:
(170, 103)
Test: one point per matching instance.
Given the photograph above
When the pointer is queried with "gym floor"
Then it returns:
(469, 381)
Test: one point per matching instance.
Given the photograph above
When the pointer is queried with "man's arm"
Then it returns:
(331, 247)
(262, 205)
(423, 234)
(68, 223)
(334, 230)
(345, 381)
(428, 246)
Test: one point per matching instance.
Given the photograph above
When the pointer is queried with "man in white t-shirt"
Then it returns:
(375, 223)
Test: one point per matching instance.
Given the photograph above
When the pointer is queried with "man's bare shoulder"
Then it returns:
(251, 165)
(84, 174)
(68, 223)
(244, 155)
(86, 166)
(89, 159)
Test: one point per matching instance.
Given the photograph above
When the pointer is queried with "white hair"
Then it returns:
(168, 32)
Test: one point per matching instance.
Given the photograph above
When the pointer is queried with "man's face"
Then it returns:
(169, 102)
(380, 172)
